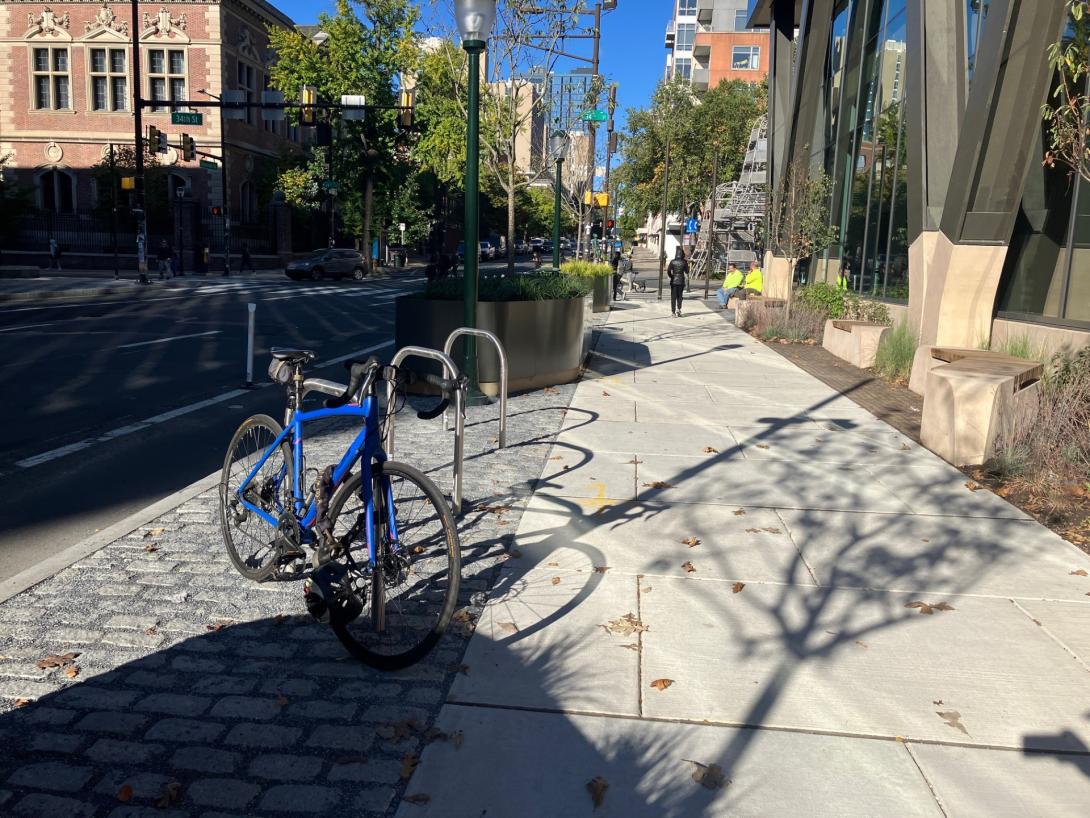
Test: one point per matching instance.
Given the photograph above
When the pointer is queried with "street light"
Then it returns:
(475, 19)
(558, 148)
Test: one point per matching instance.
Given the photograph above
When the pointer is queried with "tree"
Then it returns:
(1068, 112)
(15, 201)
(361, 55)
(156, 194)
(798, 215)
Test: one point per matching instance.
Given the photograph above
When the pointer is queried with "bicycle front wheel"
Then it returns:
(413, 588)
(250, 539)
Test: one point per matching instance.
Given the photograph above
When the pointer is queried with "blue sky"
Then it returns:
(632, 52)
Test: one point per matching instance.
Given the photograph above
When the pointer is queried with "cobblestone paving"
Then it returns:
(200, 693)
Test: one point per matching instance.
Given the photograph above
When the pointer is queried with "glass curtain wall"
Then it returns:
(866, 152)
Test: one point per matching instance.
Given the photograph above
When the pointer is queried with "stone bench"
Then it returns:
(743, 306)
(972, 399)
(853, 341)
(928, 357)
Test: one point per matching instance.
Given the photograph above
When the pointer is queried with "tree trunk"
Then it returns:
(368, 207)
(510, 219)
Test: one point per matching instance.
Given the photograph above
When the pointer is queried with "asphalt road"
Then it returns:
(115, 403)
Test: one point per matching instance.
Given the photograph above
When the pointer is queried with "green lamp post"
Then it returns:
(475, 19)
(558, 146)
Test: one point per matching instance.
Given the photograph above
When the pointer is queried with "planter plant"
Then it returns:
(599, 274)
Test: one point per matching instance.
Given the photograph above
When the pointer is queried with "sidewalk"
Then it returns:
(740, 594)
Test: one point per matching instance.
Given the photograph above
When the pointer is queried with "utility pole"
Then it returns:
(113, 224)
(592, 130)
(610, 137)
(710, 264)
(665, 198)
(138, 128)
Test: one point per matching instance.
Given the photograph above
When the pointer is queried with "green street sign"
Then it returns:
(186, 118)
(595, 116)
(330, 185)
(208, 164)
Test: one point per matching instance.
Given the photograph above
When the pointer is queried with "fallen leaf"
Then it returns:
(71, 671)
(739, 512)
(600, 569)
(905, 447)
(508, 627)
(647, 590)
(605, 394)
(631, 646)
(282, 700)
(973, 485)
(462, 615)
(555, 580)
(1079, 573)
(552, 564)
(350, 760)
(692, 542)
(151, 547)
(463, 669)
(418, 798)
(124, 794)
(862, 644)
(688, 566)
(661, 684)
(709, 776)
(169, 795)
(23, 702)
(924, 539)
(943, 606)
(937, 701)
(556, 457)
(710, 450)
(154, 532)
(737, 587)
(408, 765)
(548, 390)
(953, 719)
(635, 461)
(658, 484)
(150, 631)
(417, 550)
(929, 607)
(625, 625)
(57, 661)
(597, 788)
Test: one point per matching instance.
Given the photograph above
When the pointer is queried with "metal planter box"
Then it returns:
(602, 286)
(546, 341)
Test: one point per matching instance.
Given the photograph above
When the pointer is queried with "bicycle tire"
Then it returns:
(249, 442)
(406, 633)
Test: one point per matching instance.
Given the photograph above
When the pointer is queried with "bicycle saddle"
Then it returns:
(293, 356)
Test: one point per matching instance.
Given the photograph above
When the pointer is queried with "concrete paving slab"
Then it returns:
(916, 553)
(648, 438)
(808, 442)
(521, 656)
(974, 783)
(537, 765)
(764, 483)
(932, 486)
(649, 540)
(573, 472)
(703, 414)
(672, 393)
(861, 663)
(1068, 622)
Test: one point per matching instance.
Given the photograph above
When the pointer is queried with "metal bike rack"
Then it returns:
(449, 371)
(483, 333)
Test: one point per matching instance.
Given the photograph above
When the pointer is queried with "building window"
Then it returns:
(686, 8)
(51, 79)
(746, 58)
(686, 35)
(57, 191)
(741, 17)
(247, 81)
(109, 80)
(683, 68)
(166, 76)
(247, 197)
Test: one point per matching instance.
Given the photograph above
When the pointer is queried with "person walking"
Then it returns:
(615, 263)
(678, 270)
(247, 260)
(54, 255)
(162, 257)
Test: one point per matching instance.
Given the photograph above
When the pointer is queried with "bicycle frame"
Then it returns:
(365, 448)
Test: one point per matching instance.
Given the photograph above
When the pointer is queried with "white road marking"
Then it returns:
(122, 431)
(171, 338)
(27, 326)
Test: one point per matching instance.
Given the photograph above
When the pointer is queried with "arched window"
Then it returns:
(57, 191)
(247, 194)
(177, 185)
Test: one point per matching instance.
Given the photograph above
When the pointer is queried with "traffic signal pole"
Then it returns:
(138, 128)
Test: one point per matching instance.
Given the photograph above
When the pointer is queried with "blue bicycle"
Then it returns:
(380, 538)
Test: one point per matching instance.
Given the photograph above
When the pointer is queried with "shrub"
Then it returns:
(893, 360)
(773, 323)
(858, 309)
(823, 298)
(586, 269)
(532, 287)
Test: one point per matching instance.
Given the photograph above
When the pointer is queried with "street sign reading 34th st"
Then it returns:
(595, 116)
(186, 118)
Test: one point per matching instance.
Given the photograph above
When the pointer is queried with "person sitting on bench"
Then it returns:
(731, 284)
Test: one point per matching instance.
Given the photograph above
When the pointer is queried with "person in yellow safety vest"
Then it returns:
(732, 283)
(754, 279)
(842, 278)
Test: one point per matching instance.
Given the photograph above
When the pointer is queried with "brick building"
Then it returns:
(66, 95)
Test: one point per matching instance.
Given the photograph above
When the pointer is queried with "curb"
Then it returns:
(60, 295)
(100, 539)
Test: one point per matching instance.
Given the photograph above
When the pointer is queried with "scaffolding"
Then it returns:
(730, 234)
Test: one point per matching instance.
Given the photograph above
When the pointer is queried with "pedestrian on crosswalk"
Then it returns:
(247, 260)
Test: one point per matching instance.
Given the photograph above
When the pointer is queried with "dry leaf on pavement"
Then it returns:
(597, 788)
(658, 484)
(548, 390)
(555, 580)
(170, 795)
(635, 461)
(737, 587)
(124, 794)
(418, 798)
(625, 625)
(953, 719)
(739, 512)
(692, 542)
(973, 485)
(710, 450)
(463, 669)
(57, 661)
(688, 566)
(600, 569)
(762, 445)
(154, 532)
(661, 684)
(71, 671)
(605, 394)
(929, 607)
(151, 547)
(708, 775)
(1079, 573)
(23, 702)
(408, 765)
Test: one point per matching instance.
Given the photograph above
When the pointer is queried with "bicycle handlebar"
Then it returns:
(359, 373)
(362, 373)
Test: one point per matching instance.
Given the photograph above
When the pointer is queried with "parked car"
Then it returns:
(535, 245)
(329, 263)
(488, 251)
(521, 248)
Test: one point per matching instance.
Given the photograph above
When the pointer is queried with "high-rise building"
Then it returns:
(707, 42)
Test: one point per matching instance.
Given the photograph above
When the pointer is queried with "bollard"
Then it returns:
(252, 308)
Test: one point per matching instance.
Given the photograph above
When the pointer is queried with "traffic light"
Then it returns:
(596, 229)
(189, 148)
(309, 99)
(157, 140)
(217, 210)
(611, 224)
(405, 116)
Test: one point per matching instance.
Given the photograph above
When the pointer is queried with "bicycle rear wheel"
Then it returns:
(413, 589)
(249, 538)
